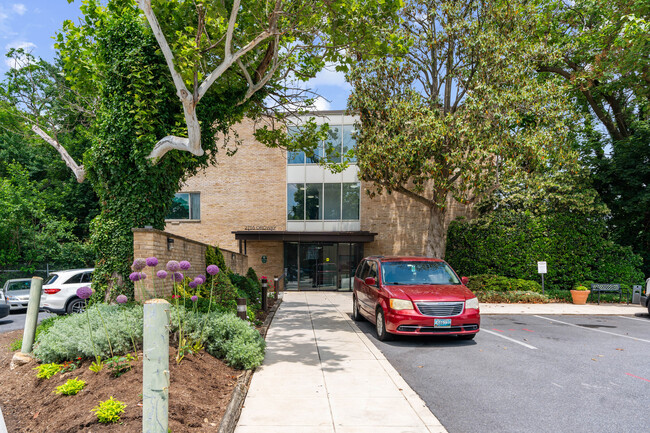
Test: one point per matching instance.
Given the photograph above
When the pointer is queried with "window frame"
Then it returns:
(191, 209)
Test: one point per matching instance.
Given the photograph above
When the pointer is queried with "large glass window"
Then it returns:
(314, 210)
(185, 206)
(323, 201)
(332, 201)
(339, 141)
(351, 200)
(295, 201)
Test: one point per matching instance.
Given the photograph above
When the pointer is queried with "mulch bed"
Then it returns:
(201, 389)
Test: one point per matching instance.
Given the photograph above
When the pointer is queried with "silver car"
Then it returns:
(4, 307)
(17, 293)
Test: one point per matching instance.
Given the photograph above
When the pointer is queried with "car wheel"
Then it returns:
(76, 306)
(355, 310)
(467, 337)
(380, 325)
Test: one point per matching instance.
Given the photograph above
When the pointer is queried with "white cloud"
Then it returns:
(329, 77)
(19, 8)
(321, 104)
(20, 61)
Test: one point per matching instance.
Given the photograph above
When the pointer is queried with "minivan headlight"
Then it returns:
(401, 304)
(471, 304)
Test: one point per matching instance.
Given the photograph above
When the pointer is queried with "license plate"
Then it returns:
(442, 323)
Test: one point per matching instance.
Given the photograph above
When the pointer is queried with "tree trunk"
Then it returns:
(436, 234)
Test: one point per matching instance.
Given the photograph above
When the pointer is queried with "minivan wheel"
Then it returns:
(76, 306)
(380, 325)
(355, 310)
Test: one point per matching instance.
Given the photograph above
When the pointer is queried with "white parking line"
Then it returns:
(634, 318)
(591, 329)
(508, 338)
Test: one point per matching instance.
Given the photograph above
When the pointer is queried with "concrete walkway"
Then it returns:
(321, 374)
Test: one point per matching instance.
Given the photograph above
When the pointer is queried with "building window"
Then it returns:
(323, 201)
(339, 141)
(185, 206)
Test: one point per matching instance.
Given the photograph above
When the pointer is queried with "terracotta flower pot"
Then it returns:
(580, 296)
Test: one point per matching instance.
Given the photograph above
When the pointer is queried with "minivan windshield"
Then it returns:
(417, 272)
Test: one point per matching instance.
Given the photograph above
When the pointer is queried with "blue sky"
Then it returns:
(31, 24)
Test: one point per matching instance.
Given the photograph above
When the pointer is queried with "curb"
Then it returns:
(231, 416)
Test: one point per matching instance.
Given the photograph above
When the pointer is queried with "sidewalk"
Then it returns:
(322, 375)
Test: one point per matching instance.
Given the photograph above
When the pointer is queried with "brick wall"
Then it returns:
(153, 243)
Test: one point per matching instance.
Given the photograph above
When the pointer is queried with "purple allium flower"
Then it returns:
(194, 298)
(143, 276)
(84, 292)
(193, 284)
(138, 264)
(173, 266)
(135, 276)
(201, 277)
(121, 299)
(185, 265)
(178, 276)
(152, 261)
(162, 275)
(212, 269)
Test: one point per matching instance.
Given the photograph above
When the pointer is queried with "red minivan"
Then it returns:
(414, 296)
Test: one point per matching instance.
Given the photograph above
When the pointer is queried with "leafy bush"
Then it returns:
(512, 297)
(496, 283)
(227, 337)
(71, 387)
(40, 328)
(45, 371)
(109, 411)
(68, 337)
(214, 256)
(248, 288)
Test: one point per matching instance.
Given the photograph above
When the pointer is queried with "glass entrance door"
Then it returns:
(321, 265)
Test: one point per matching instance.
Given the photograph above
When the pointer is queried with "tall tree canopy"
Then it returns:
(460, 109)
(601, 51)
(156, 81)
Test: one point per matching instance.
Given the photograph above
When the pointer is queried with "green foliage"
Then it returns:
(496, 283)
(249, 288)
(41, 328)
(214, 256)
(69, 338)
(119, 364)
(97, 365)
(71, 387)
(554, 218)
(514, 297)
(461, 111)
(228, 337)
(109, 411)
(45, 371)
(581, 288)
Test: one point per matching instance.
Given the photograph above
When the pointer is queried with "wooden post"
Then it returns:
(155, 367)
(241, 308)
(265, 292)
(31, 319)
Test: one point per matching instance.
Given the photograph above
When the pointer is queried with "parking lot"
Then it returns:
(16, 320)
(533, 373)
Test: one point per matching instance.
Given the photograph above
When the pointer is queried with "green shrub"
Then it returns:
(496, 283)
(41, 328)
(68, 338)
(227, 337)
(214, 256)
(248, 288)
(109, 411)
(45, 371)
(71, 387)
(512, 297)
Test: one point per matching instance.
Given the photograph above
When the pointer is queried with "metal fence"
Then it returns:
(10, 274)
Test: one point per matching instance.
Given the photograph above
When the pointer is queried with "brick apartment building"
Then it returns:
(291, 216)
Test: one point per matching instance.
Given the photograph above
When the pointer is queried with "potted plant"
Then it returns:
(580, 294)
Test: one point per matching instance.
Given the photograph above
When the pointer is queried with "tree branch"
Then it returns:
(79, 171)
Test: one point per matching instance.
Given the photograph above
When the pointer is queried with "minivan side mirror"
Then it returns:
(464, 280)
(370, 281)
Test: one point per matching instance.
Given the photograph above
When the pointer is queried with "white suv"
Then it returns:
(60, 291)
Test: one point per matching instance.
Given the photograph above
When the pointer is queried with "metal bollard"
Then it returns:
(636, 294)
(241, 308)
(276, 287)
(265, 292)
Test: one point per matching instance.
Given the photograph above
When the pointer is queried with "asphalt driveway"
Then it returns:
(533, 373)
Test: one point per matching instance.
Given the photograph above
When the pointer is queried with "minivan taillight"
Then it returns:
(51, 291)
